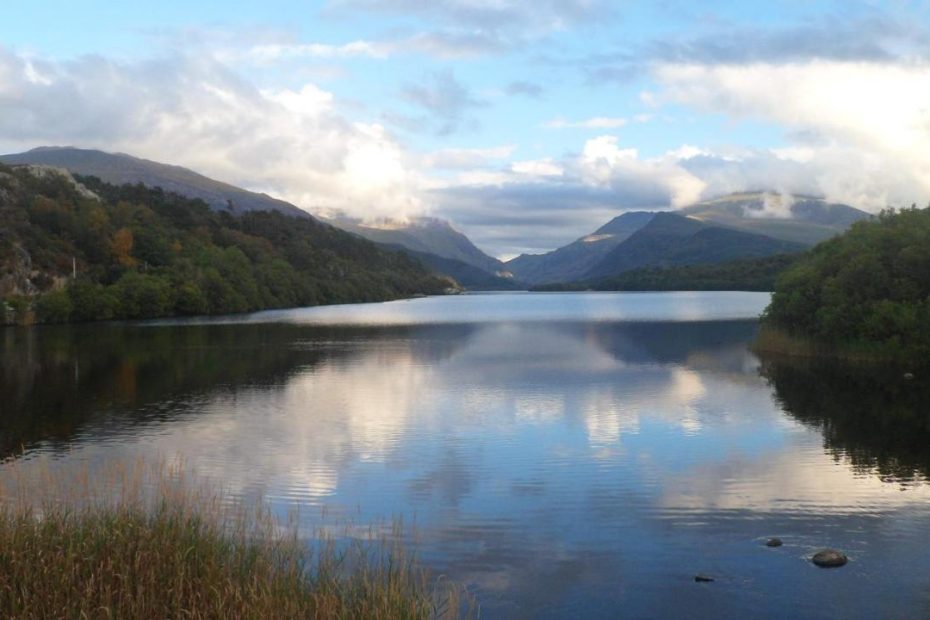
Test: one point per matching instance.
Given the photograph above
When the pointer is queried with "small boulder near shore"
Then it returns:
(829, 558)
(773, 542)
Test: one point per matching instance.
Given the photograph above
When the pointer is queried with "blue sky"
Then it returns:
(526, 124)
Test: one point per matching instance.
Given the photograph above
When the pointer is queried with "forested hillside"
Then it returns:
(748, 274)
(139, 252)
(865, 293)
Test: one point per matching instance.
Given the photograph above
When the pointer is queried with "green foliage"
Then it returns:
(143, 296)
(15, 310)
(144, 253)
(92, 301)
(750, 274)
(868, 289)
(54, 307)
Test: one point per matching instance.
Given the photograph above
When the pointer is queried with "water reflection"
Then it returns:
(559, 468)
(56, 381)
(871, 417)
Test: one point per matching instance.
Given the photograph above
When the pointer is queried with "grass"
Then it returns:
(773, 341)
(146, 541)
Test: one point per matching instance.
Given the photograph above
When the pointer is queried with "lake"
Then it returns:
(562, 455)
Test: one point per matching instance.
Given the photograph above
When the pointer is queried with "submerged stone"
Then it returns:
(773, 542)
(829, 558)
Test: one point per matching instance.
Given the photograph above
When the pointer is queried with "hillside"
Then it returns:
(797, 220)
(863, 294)
(468, 276)
(141, 253)
(573, 261)
(671, 240)
(800, 219)
(746, 274)
(426, 235)
(119, 169)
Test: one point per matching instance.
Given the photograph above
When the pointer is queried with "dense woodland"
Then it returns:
(140, 252)
(866, 292)
(750, 274)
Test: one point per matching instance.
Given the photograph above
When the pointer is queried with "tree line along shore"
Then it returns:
(85, 251)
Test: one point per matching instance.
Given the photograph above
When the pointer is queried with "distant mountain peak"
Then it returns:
(423, 234)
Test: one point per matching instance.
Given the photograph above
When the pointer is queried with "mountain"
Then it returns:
(801, 219)
(468, 276)
(670, 239)
(120, 169)
(429, 239)
(573, 261)
(797, 220)
(426, 235)
(92, 251)
(742, 274)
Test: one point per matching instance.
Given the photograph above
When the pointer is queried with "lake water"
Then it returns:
(562, 455)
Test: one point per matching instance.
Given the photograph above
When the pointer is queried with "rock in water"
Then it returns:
(703, 579)
(908, 375)
(773, 542)
(829, 558)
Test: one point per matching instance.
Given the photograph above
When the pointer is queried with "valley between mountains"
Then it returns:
(718, 236)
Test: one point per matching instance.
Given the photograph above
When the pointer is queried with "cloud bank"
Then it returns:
(197, 113)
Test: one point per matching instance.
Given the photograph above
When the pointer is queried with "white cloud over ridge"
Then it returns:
(197, 113)
(859, 129)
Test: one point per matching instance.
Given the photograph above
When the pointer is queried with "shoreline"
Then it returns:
(772, 341)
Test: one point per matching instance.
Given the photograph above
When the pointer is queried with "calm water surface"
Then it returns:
(564, 455)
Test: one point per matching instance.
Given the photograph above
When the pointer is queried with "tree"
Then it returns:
(121, 246)
(53, 307)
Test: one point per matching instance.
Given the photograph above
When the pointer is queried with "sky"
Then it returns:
(526, 124)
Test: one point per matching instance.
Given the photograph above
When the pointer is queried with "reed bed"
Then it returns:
(147, 541)
(772, 341)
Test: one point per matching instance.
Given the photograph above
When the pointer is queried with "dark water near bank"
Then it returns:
(578, 455)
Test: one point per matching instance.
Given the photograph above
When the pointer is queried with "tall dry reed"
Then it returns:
(146, 540)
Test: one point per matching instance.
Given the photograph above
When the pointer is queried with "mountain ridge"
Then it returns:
(572, 261)
(670, 239)
(801, 221)
(426, 235)
(122, 168)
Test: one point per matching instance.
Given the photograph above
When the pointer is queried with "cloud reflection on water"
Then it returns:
(542, 461)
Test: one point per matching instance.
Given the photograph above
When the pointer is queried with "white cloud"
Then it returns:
(195, 112)
(861, 127)
(604, 162)
(275, 52)
(467, 158)
(598, 122)
(774, 206)
(538, 205)
(539, 168)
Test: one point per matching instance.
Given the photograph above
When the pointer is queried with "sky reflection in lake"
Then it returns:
(559, 468)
